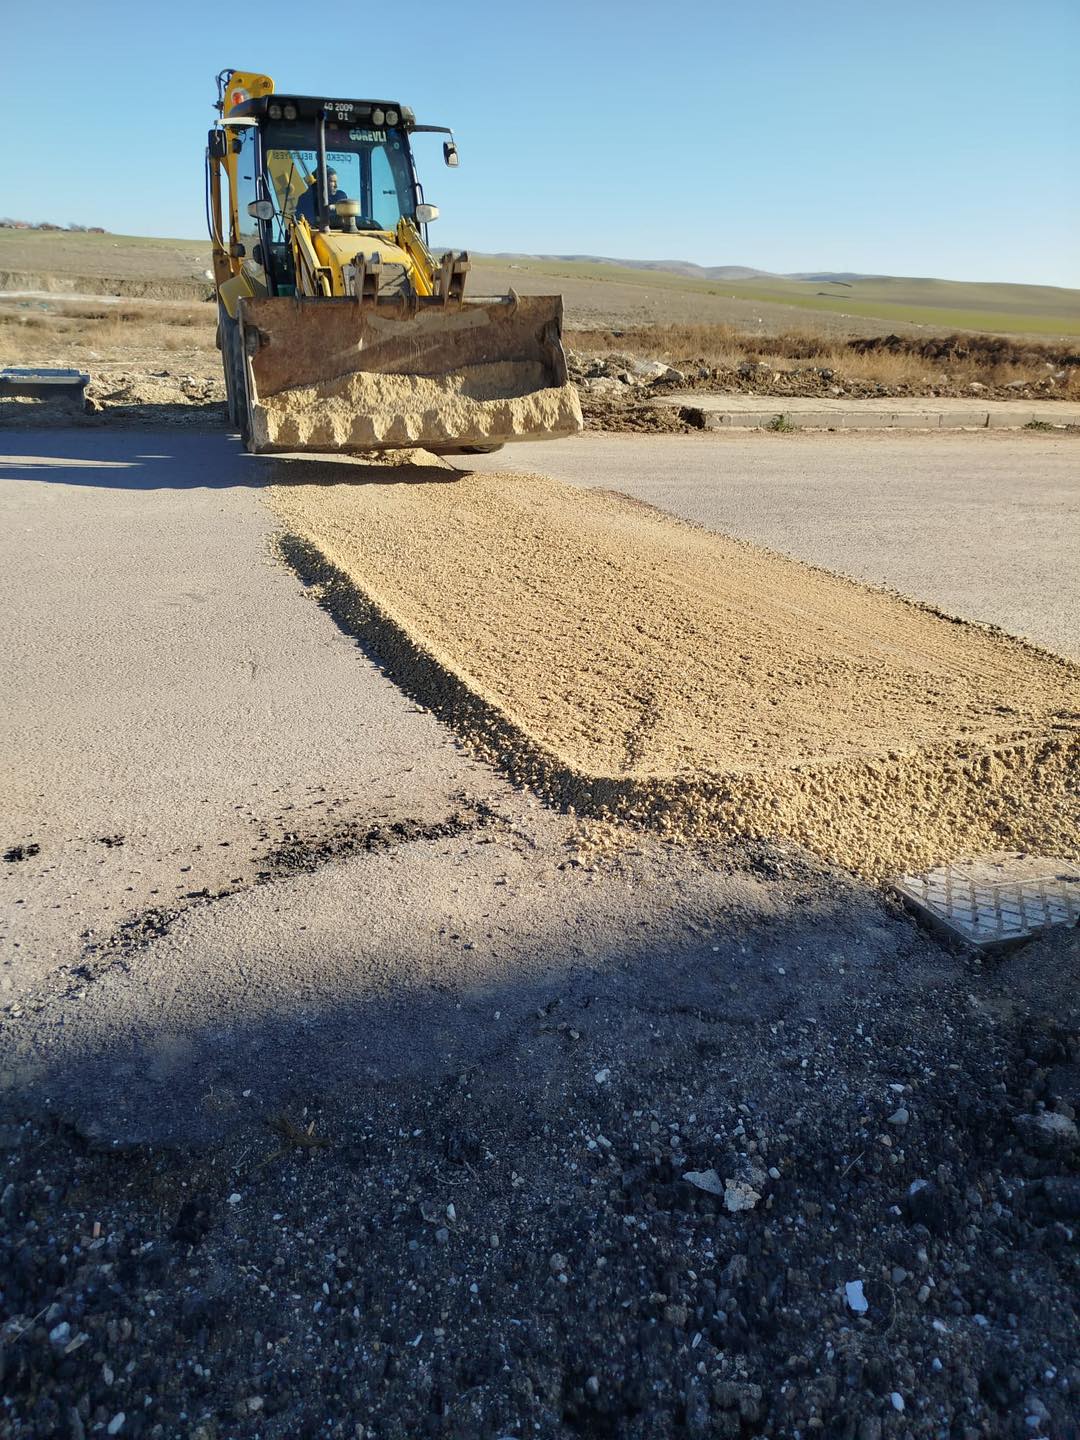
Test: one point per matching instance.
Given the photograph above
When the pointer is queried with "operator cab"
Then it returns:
(369, 183)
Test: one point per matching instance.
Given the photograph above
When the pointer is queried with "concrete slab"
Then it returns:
(815, 413)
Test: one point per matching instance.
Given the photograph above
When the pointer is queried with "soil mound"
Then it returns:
(989, 349)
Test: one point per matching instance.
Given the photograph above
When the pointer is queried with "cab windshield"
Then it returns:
(363, 164)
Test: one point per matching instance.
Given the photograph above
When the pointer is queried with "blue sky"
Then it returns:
(890, 136)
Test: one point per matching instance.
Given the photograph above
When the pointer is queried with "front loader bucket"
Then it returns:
(340, 375)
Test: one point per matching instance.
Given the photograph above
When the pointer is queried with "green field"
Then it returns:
(951, 304)
(1036, 310)
(940, 304)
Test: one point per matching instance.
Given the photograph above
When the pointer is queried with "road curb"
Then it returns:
(977, 418)
(872, 420)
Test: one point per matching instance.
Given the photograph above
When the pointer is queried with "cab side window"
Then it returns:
(246, 191)
(387, 205)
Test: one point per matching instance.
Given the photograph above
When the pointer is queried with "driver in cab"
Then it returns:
(308, 204)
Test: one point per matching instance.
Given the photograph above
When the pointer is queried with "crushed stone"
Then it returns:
(331, 1293)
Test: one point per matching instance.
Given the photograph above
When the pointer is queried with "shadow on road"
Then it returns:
(128, 460)
(166, 1047)
(456, 1208)
(198, 459)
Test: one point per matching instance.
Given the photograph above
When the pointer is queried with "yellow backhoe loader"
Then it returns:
(339, 329)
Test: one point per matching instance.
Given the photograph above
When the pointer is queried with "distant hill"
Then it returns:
(596, 292)
(831, 277)
(674, 267)
(7, 223)
(848, 296)
(702, 272)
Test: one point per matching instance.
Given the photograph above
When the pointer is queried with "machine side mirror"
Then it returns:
(425, 214)
(261, 209)
(450, 154)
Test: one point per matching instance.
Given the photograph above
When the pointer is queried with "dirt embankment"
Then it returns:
(620, 372)
(122, 328)
(624, 662)
(128, 287)
(150, 363)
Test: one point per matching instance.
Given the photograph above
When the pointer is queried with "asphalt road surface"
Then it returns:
(177, 708)
(250, 843)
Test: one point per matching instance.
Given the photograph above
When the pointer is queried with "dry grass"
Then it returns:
(120, 334)
(146, 334)
(911, 362)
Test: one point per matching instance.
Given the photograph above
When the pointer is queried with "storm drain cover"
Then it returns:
(996, 900)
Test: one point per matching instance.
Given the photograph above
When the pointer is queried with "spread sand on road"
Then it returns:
(625, 662)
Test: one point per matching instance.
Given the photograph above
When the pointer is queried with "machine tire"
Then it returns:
(222, 341)
(232, 358)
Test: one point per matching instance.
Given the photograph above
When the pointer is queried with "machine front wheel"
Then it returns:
(232, 360)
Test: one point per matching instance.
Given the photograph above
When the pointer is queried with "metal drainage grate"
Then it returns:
(996, 900)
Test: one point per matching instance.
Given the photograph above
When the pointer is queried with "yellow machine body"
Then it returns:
(339, 328)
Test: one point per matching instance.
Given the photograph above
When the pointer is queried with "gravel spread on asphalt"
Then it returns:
(477, 405)
(622, 661)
